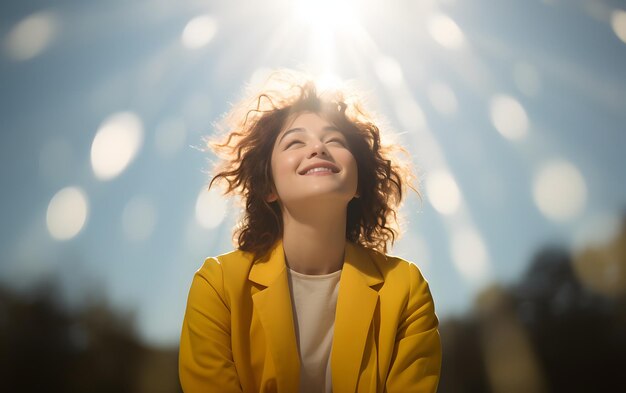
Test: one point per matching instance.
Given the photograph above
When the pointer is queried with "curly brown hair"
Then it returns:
(245, 143)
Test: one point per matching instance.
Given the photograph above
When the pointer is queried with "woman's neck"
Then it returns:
(314, 239)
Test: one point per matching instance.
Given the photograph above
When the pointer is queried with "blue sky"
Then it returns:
(513, 112)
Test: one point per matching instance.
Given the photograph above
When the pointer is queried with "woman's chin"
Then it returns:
(320, 200)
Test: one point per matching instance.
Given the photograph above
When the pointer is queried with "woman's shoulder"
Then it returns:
(394, 267)
(230, 264)
(403, 280)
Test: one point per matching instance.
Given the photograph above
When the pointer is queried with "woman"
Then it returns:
(309, 301)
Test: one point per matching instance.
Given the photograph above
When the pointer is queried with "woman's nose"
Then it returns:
(318, 148)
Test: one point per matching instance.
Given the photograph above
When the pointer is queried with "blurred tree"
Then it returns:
(44, 347)
(580, 335)
(463, 367)
(554, 331)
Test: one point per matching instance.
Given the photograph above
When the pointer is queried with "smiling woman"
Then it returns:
(309, 301)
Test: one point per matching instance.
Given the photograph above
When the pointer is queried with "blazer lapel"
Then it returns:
(273, 305)
(356, 304)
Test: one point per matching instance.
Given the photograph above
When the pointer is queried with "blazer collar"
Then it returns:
(269, 268)
(356, 304)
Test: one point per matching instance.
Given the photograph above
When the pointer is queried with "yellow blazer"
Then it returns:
(238, 332)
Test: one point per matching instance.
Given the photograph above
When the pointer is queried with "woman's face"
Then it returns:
(310, 141)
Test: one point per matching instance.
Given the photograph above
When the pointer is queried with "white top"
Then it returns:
(314, 300)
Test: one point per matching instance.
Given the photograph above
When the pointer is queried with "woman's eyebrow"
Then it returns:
(300, 129)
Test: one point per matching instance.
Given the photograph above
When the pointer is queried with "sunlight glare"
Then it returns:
(445, 31)
(32, 35)
(599, 254)
(199, 32)
(389, 72)
(414, 248)
(443, 192)
(259, 77)
(442, 98)
(410, 114)
(559, 190)
(508, 117)
(470, 255)
(67, 213)
(618, 23)
(211, 208)
(324, 15)
(324, 20)
(328, 82)
(116, 144)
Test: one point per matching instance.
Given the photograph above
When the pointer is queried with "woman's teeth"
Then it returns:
(318, 170)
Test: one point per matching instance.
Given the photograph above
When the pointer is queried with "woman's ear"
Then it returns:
(272, 197)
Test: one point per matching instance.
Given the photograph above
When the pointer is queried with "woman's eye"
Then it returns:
(292, 142)
(337, 140)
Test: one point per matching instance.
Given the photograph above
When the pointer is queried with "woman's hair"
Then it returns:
(249, 131)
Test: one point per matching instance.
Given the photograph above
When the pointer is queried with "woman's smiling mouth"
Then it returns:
(319, 171)
(320, 167)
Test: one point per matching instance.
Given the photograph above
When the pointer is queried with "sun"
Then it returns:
(324, 21)
(324, 15)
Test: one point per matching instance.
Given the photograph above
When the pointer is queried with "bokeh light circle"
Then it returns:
(67, 213)
(443, 192)
(469, 254)
(445, 31)
(211, 208)
(199, 32)
(116, 144)
(389, 72)
(508, 116)
(618, 23)
(559, 190)
(601, 264)
(32, 35)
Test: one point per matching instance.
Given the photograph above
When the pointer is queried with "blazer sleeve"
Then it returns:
(205, 361)
(416, 358)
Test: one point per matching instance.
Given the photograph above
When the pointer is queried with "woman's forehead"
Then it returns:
(306, 120)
